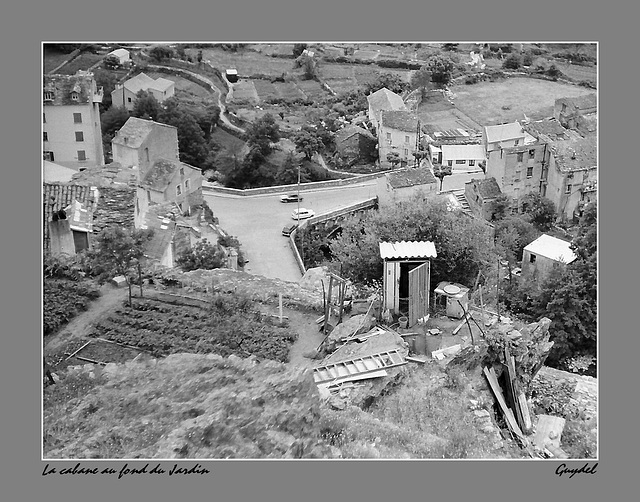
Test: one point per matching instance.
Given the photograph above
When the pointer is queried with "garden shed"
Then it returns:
(406, 277)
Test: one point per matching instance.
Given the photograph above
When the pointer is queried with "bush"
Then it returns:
(512, 62)
(203, 255)
(63, 300)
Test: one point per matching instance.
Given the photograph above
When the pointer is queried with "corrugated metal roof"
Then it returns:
(407, 249)
(553, 248)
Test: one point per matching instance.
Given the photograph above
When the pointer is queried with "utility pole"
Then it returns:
(417, 162)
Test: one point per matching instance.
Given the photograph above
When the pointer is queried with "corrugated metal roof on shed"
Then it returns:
(407, 249)
(551, 247)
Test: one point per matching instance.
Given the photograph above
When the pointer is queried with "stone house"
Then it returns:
(139, 143)
(71, 130)
(404, 184)
(383, 100)
(353, 143)
(570, 111)
(481, 195)
(397, 132)
(124, 95)
(169, 181)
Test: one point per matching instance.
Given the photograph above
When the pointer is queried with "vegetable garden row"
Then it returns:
(229, 326)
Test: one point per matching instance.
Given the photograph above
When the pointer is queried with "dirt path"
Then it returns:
(80, 326)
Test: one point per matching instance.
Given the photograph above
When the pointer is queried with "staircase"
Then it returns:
(462, 199)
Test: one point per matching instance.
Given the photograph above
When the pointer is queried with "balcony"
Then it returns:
(98, 95)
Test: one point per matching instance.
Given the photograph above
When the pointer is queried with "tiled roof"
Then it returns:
(62, 87)
(399, 119)
(487, 188)
(143, 82)
(577, 154)
(135, 131)
(553, 248)
(349, 131)
(462, 152)
(108, 205)
(410, 177)
(407, 249)
(384, 99)
(504, 132)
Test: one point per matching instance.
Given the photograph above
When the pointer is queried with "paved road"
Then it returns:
(257, 221)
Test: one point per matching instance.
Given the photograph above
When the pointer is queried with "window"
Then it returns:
(389, 136)
(45, 136)
(532, 153)
(48, 156)
(82, 155)
(182, 171)
(77, 118)
(48, 95)
(79, 136)
(129, 100)
(406, 139)
(532, 258)
(530, 172)
(449, 163)
(186, 184)
(568, 190)
(520, 156)
(516, 178)
(516, 142)
(178, 190)
(44, 118)
(472, 162)
(74, 96)
(461, 161)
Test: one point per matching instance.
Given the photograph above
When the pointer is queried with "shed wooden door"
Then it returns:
(419, 292)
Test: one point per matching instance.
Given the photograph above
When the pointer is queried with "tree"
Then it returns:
(146, 106)
(107, 80)
(203, 255)
(389, 81)
(111, 62)
(263, 132)
(524, 231)
(450, 47)
(161, 52)
(393, 158)
(501, 207)
(191, 140)
(463, 244)
(288, 172)
(307, 142)
(120, 252)
(512, 62)
(421, 79)
(111, 121)
(539, 210)
(441, 68)
(440, 172)
(298, 49)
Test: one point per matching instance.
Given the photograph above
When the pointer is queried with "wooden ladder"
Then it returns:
(358, 366)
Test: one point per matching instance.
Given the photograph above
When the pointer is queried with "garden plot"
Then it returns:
(312, 89)
(182, 84)
(247, 62)
(490, 103)
(244, 91)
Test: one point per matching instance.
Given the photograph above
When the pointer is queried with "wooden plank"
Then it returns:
(415, 360)
(497, 392)
(459, 326)
(512, 386)
(524, 408)
(361, 376)
(79, 350)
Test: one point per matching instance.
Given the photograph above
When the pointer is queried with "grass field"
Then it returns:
(484, 102)
(51, 59)
(247, 62)
(83, 62)
(226, 140)
(244, 91)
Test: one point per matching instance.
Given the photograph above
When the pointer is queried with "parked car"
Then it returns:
(292, 197)
(288, 229)
(302, 214)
